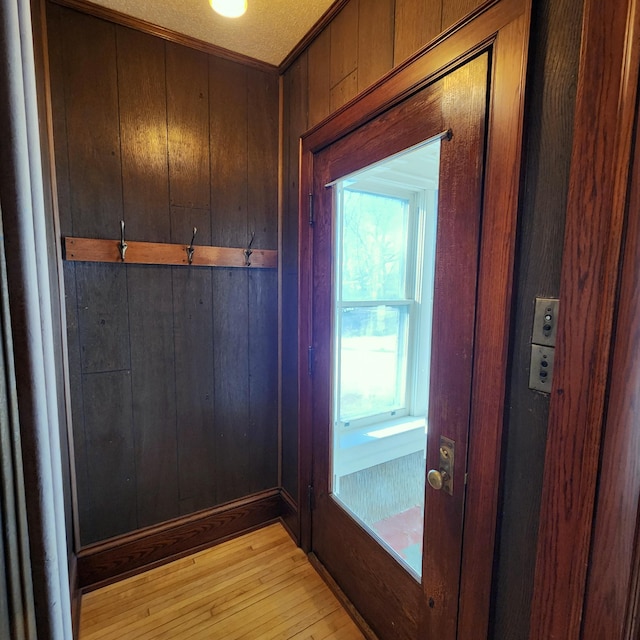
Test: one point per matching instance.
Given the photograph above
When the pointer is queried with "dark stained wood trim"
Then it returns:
(611, 574)
(312, 34)
(503, 28)
(103, 563)
(604, 117)
(117, 17)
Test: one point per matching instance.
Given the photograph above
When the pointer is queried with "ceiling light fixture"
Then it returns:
(229, 8)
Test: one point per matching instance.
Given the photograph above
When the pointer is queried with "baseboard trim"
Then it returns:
(106, 562)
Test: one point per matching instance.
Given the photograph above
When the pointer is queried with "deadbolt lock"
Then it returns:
(442, 478)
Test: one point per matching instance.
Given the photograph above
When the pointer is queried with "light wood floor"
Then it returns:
(259, 586)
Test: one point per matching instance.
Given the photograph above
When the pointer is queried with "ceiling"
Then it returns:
(268, 31)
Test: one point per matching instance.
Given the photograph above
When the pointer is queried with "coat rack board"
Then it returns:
(95, 250)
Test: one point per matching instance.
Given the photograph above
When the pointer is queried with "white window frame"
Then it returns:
(420, 262)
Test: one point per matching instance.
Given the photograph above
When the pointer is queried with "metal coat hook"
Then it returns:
(123, 245)
(247, 251)
(190, 248)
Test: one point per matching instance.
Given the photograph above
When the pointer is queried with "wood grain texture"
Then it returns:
(610, 582)
(188, 127)
(153, 109)
(297, 107)
(234, 468)
(58, 115)
(258, 585)
(453, 351)
(229, 154)
(262, 448)
(96, 250)
(416, 23)
(262, 158)
(79, 463)
(109, 442)
(115, 559)
(344, 43)
(501, 201)
(510, 21)
(153, 387)
(142, 102)
(375, 41)
(319, 79)
(193, 346)
(103, 320)
(607, 85)
(553, 67)
(455, 10)
(93, 132)
(342, 92)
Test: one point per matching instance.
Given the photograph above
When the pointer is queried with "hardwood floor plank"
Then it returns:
(258, 586)
(186, 588)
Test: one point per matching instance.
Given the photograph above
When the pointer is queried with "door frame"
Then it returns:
(500, 27)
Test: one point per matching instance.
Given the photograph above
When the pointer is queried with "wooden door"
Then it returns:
(472, 83)
(390, 596)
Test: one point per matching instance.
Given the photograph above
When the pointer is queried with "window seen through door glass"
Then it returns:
(386, 220)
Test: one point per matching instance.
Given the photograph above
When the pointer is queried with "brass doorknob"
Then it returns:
(435, 479)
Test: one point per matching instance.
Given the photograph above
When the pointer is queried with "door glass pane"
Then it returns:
(386, 219)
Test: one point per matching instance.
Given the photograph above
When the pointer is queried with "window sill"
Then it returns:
(375, 444)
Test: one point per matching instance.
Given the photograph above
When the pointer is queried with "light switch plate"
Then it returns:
(545, 322)
(541, 368)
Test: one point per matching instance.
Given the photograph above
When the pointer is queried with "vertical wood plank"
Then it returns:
(344, 91)
(344, 43)
(263, 379)
(454, 10)
(234, 467)
(143, 134)
(375, 41)
(193, 346)
(319, 91)
(262, 158)
(111, 470)
(92, 125)
(188, 126)
(75, 384)
(55, 15)
(229, 130)
(416, 23)
(153, 392)
(102, 316)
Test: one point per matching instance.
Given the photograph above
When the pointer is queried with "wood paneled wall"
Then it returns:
(173, 369)
(355, 50)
